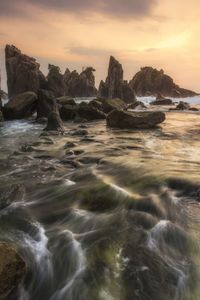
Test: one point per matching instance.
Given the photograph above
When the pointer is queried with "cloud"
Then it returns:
(115, 8)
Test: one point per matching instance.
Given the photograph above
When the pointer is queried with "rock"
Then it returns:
(149, 81)
(115, 86)
(11, 194)
(68, 112)
(41, 120)
(124, 119)
(12, 269)
(1, 116)
(193, 109)
(23, 72)
(162, 102)
(70, 145)
(21, 106)
(81, 132)
(55, 123)
(46, 103)
(96, 104)
(159, 97)
(65, 100)
(136, 105)
(110, 104)
(56, 82)
(90, 113)
(182, 106)
(80, 85)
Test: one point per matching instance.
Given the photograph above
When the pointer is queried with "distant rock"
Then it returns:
(46, 103)
(12, 269)
(56, 82)
(164, 101)
(115, 86)
(149, 81)
(21, 106)
(23, 72)
(55, 123)
(134, 120)
(1, 116)
(183, 106)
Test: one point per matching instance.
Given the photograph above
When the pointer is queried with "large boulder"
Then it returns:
(150, 81)
(55, 123)
(68, 112)
(123, 119)
(115, 86)
(46, 103)
(23, 72)
(109, 104)
(12, 269)
(90, 113)
(56, 81)
(21, 106)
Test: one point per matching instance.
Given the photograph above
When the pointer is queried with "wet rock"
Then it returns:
(96, 104)
(149, 81)
(115, 86)
(110, 104)
(10, 194)
(81, 132)
(193, 109)
(90, 113)
(162, 102)
(55, 123)
(123, 119)
(41, 120)
(12, 269)
(21, 106)
(70, 145)
(137, 105)
(68, 112)
(65, 100)
(55, 81)
(23, 72)
(46, 103)
(183, 106)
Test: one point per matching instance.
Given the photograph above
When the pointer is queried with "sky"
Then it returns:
(78, 33)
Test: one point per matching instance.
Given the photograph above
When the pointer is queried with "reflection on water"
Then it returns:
(114, 217)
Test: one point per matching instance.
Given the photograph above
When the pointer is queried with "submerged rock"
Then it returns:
(21, 106)
(55, 123)
(23, 72)
(12, 269)
(124, 119)
(149, 81)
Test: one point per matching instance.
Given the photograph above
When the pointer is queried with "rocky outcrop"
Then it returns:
(56, 82)
(149, 81)
(55, 123)
(134, 120)
(115, 86)
(12, 269)
(21, 106)
(46, 103)
(23, 72)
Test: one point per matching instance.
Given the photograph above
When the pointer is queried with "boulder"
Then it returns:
(12, 269)
(55, 123)
(90, 113)
(65, 100)
(115, 86)
(56, 82)
(68, 112)
(21, 106)
(123, 119)
(46, 103)
(149, 81)
(97, 104)
(137, 105)
(164, 101)
(183, 106)
(23, 72)
(1, 116)
(109, 104)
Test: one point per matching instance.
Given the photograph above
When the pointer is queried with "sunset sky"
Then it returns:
(75, 33)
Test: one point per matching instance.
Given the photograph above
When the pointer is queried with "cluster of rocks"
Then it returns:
(184, 106)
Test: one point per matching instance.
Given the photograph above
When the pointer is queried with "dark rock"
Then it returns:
(115, 86)
(23, 72)
(193, 109)
(41, 120)
(182, 106)
(110, 104)
(46, 103)
(137, 104)
(20, 106)
(10, 194)
(70, 145)
(1, 116)
(123, 119)
(81, 132)
(65, 100)
(96, 104)
(162, 102)
(90, 113)
(149, 81)
(55, 123)
(68, 112)
(56, 82)
(12, 269)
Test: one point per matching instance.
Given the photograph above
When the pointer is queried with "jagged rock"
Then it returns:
(65, 100)
(21, 106)
(124, 119)
(110, 104)
(115, 86)
(55, 123)
(23, 72)
(136, 105)
(80, 85)
(56, 82)
(12, 269)
(149, 81)
(46, 103)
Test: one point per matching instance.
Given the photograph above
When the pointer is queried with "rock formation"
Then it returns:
(21, 106)
(149, 81)
(55, 123)
(56, 82)
(115, 86)
(46, 103)
(134, 120)
(23, 72)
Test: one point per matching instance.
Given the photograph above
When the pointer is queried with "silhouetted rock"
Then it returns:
(46, 103)
(115, 86)
(55, 123)
(124, 119)
(21, 106)
(56, 82)
(23, 72)
(12, 269)
(149, 81)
